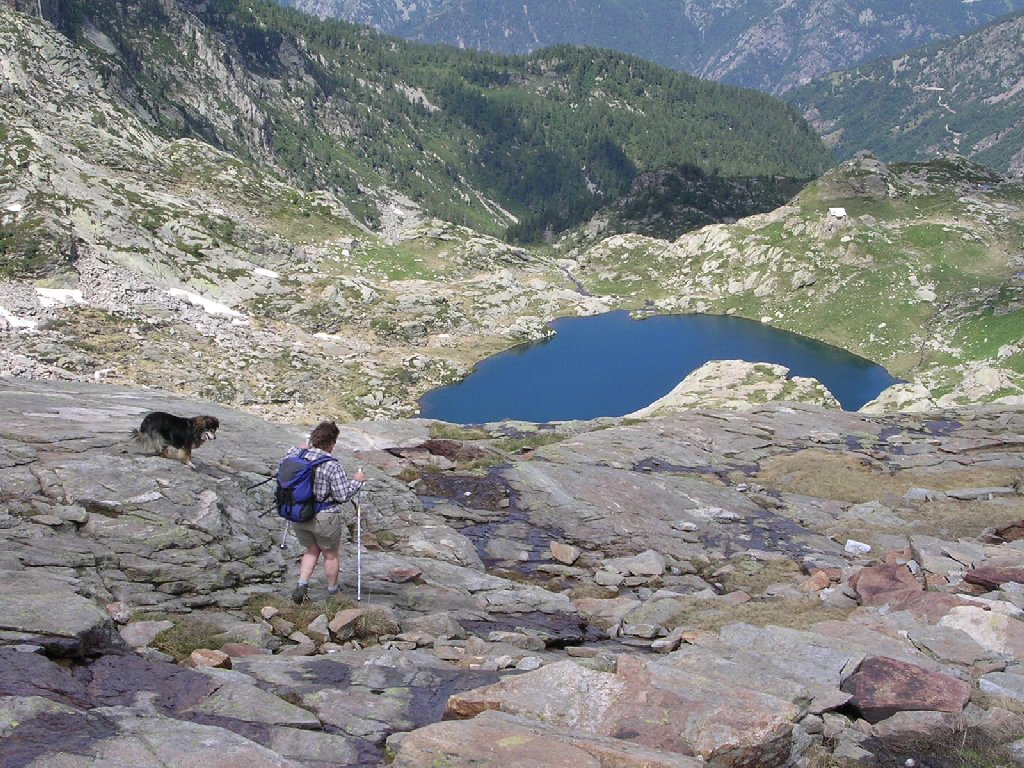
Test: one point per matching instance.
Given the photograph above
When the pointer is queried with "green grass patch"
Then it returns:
(754, 576)
(709, 615)
(529, 442)
(299, 615)
(441, 430)
(188, 634)
(981, 337)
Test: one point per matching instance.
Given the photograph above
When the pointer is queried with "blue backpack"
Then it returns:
(294, 495)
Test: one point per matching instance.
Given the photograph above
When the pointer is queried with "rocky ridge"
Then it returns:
(958, 96)
(751, 43)
(610, 593)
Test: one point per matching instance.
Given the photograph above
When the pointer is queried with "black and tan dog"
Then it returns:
(175, 436)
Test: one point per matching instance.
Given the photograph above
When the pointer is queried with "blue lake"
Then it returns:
(612, 364)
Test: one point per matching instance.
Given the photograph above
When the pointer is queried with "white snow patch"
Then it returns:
(16, 322)
(50, 296)
(265, 272)
(211, 306)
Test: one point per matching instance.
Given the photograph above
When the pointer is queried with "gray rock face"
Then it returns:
(37, 609)
(715, 538)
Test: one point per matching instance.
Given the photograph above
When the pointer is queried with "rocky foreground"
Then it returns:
(785, 586)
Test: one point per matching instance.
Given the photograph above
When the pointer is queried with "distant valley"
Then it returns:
(753, 43)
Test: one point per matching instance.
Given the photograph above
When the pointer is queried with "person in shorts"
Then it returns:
(322, 534)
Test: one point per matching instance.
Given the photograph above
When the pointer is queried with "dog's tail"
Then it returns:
(147, 441)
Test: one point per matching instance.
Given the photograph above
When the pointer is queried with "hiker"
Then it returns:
(322, 534)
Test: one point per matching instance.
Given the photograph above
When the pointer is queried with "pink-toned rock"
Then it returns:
(205, 657)
(929, 607)
(342, 626)
(301, 649)
(404, 573)
(992, 631)
(280, 625)
(241, 650)
(119, 612)
(1011, 532)
(139, 634)
(834, 574)
(604, 612)
(897, 556)
(651, 704)
(816, 582)
(881, 687)
(935, 581)
(564, 553)
(735, 598)
(873, 583)
(498, 740)
(922, 727)
(990, 577)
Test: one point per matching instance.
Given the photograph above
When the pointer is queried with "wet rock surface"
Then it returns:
(712, 587)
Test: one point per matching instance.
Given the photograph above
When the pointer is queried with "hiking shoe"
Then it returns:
(299, 593)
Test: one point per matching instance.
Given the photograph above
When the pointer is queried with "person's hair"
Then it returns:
(324, 435)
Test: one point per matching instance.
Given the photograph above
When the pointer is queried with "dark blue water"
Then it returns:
(611, 365)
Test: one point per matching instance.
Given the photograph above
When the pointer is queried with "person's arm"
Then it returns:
(343, 489)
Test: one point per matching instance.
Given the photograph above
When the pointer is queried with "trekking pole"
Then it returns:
(287, 525)
(261, 482)
(359, 549)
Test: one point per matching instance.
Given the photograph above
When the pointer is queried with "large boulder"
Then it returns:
(658, 706)
(881, 687)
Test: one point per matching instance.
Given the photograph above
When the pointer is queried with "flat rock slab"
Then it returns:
(498, 740)
(1009, 683)
(32, 674)
(48, 612)
(117, 737)
(992, 577)
(366, 695)
(649, 704)
(251, 704)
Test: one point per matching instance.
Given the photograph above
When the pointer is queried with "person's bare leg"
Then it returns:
(332, 564)
(309, 558)
(306, 566)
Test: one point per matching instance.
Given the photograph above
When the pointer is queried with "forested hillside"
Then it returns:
(771, 46)
(963, 97)
(479, 139)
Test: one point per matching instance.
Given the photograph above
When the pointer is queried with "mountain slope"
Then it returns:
(771, 46)
(963, 96)
(133, 254)
(476, 139)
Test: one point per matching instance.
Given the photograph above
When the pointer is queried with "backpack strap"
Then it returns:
(320, 504)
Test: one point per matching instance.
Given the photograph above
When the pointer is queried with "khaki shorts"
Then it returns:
(324, 531)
